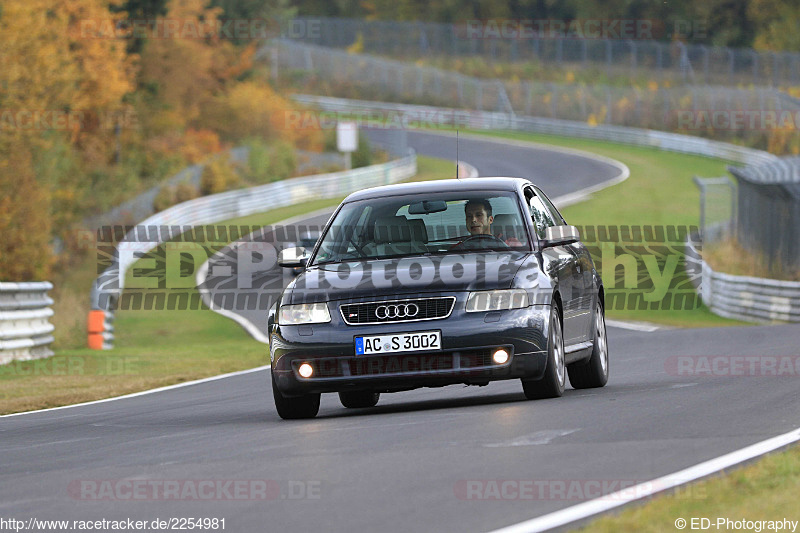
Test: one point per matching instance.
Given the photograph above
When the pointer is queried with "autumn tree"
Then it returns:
(24, 221)
(777, 25)
(59, 84)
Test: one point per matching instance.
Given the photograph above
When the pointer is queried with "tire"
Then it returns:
(359, 399)
(306, 406)
(594, 372)
(551, 385)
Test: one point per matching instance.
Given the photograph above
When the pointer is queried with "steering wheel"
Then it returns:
(475, 239)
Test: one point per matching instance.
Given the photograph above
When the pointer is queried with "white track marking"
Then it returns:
(645, 490)
(534, 439)
(635, 326)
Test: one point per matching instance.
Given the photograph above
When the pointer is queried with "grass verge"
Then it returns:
(764, 490)
(732, 258)
(152, 348)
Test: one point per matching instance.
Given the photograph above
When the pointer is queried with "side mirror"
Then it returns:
(560, 235)
(293, 257)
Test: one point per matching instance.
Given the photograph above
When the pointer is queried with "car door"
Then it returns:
(561, 264)
(583, 295)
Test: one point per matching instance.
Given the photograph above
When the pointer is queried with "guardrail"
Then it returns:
(749, 298)
(485, 120)
(25, 332)
(108, 287)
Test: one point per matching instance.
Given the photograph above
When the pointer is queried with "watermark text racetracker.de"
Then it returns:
(733, 365)
(75, 365)
(566, 490)
(642, 267)
(29, 119)
(191, 28)
(587, 28)
(734, 120)
(105, 524)
(149, 490)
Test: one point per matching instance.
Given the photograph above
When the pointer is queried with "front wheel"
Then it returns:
(306, 406)
(551, 385)
(594, 372)
(359, 399)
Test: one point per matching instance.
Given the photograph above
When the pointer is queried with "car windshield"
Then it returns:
(440, 223)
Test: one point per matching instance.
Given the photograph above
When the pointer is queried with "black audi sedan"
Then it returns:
(438, 283)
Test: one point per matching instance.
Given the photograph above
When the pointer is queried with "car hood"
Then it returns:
(406, 276)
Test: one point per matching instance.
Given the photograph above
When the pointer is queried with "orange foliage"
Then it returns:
(49, 64)
(24, 221)
(199, 144)
(187, 71)
(251, 109)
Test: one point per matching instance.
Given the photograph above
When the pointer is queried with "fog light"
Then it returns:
(305, 370)
(500, 356)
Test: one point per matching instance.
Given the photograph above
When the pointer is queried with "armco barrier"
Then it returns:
(108, 287)
(748, 298)
(25, 332)
(484, 120)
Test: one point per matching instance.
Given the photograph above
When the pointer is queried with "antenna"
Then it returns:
(457, 176)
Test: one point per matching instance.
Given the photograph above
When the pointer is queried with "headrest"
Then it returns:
(508, 225)
(392, 229)
(418, 230)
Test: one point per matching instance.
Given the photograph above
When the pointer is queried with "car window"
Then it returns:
(556, 215)
(399, 226)
(541, 216)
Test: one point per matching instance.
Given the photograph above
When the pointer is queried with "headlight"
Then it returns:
(497, 300)
(291, 315)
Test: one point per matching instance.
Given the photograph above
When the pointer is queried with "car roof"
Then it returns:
(449, 185)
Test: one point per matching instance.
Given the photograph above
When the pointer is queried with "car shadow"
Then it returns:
(428, 405)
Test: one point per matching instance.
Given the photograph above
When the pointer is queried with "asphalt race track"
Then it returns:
(423, 460)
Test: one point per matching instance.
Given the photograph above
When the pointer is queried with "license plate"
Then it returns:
(399, 342)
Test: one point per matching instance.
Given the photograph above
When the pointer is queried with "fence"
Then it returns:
(643, 57)
(662, 108)
(108, 287)
(25, 332)
(769, 211)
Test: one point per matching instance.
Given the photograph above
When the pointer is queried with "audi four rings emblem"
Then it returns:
(397, 311)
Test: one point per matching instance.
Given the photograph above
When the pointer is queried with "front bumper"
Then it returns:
(468, 341)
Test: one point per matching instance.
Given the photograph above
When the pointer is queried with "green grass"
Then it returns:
(659, 191)
(152, 348)
(765, 490)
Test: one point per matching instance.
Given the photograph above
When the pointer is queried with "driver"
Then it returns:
(479, 220)
(479, 217)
